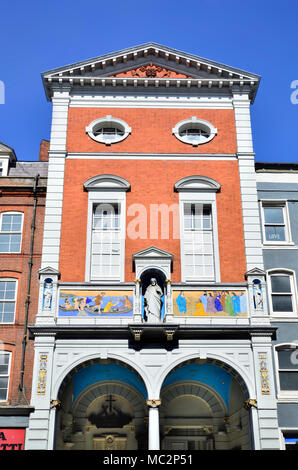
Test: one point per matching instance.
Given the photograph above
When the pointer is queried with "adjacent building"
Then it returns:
(277, 185)
(22, 202)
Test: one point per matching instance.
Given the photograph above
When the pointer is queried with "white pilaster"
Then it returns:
(265, 393)
(57, 153)
(248, 186)
(38, 432)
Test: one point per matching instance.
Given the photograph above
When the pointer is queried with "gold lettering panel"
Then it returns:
(42, 374)
(264, 374)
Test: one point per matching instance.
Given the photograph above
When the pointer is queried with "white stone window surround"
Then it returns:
(18, 232)
(106, 189)
(4, 166)
(194, 123)
(283, 316)
(285, 395)
(108, 121)
(272, 203)
(199, 189)
(10, 300)
(5, 375)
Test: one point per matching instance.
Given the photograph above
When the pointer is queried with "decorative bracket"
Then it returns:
(251, 402)
(154, 403)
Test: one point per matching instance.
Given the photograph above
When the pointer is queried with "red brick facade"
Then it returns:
(151, 130)
(152, 182)
(16, 266)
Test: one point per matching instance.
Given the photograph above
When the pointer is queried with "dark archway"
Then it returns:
(203, 408)
(103, 407)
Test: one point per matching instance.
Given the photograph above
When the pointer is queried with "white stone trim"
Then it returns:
(277, 177)
(108, 121)
(4, 351)
(250, 211)
(95, 197)
(54, 198)
(194, 122)
(151, 100)
(283, 203)
(11, 212)
(280, 316)
(206, 198)
(145, 156)
(286, 396)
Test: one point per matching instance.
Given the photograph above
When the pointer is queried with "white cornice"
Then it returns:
(97, 71)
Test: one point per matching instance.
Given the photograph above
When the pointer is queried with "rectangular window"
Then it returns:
(275, 223)
(282, 293)
(106, 241)
(4, 375)
(11, 233)
(7, 301)
(198, 251)
(1, 168)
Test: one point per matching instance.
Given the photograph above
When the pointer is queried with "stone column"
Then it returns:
(153, 428)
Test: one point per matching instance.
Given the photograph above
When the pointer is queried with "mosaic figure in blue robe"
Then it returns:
(181, 302)
(236, 303)
(204, 301)
(218, 305)
(243, 303)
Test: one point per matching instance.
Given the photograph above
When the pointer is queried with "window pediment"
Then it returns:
(197, 183)
(106, 183)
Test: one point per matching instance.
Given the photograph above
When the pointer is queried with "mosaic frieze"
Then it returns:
(102, 303)
(210, 303)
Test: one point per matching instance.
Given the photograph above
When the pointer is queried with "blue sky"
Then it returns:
(257, 36)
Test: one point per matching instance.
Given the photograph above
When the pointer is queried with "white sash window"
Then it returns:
(198, 249)
(106, 242)
(198, 229)
(106, 228)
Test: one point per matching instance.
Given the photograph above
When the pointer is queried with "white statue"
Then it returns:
(152, 302)
(258, 296)
(47, 294)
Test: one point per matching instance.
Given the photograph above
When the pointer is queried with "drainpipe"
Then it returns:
(27, 302)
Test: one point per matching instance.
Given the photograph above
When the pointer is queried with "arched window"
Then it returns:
(5, 362)
(11, 225)
(106, 227)
(198, 228)
(282, 292)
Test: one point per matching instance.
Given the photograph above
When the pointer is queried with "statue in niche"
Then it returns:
(47, 294)
(258, 295)
(152, 302)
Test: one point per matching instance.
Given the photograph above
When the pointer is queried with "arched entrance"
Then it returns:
(103, 407)
(203, 408)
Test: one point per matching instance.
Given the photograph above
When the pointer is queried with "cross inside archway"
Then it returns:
(110, 401)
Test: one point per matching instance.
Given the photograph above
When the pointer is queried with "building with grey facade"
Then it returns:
(277, 185)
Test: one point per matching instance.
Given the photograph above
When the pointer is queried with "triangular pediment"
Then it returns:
(255, 272)
(152, 252)
(149, 62)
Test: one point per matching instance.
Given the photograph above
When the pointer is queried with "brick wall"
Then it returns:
(151, 130)
(16, 266)
(152, 182)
